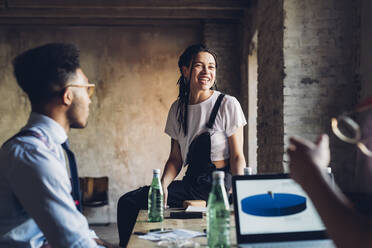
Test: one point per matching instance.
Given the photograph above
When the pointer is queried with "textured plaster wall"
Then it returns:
(135, 71)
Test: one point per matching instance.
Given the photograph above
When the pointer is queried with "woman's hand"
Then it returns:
(172, 167)
(165, 194)
(102, 243)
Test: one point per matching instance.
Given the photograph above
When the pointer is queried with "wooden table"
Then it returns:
(191, 224)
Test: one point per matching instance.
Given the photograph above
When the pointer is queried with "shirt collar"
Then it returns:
(53, 128)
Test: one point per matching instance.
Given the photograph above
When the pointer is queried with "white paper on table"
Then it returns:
(196, 209)
(174, 234)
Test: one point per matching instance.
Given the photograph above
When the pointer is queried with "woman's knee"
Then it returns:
(123, 200)
(134, 198)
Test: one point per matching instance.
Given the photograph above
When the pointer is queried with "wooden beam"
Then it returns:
(194, 4)
(115, 13)
(99, 22)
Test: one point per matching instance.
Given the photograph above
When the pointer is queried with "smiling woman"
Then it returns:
(202, 75)
(206, 130)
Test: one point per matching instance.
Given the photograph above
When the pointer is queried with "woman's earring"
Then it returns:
(185, 86)
(214, 87)
(184, 80)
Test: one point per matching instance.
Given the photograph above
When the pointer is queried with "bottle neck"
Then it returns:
(218, 181)
(156, 181)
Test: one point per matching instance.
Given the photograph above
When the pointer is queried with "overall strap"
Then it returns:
(216, 106)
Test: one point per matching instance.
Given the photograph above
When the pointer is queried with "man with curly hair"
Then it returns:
(40, 207)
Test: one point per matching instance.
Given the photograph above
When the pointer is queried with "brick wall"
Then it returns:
(364, 164)
(226, 39)
(223, 38)
(366, 49)
(308, 71)
(270, 86)
(321, 59)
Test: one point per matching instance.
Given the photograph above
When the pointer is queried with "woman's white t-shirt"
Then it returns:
(229, 117)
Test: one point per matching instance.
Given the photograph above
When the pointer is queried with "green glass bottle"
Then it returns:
(218, 213)
(155, 199)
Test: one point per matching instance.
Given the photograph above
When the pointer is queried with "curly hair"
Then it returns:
(186, 59)
(44, 71)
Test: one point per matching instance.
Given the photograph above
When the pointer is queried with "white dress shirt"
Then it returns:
(35, 191)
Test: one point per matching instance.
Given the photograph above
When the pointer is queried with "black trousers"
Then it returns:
(130, 203)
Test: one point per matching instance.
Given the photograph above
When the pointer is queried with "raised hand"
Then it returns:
(307, 158)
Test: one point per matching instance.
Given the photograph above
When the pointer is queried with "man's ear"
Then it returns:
(67, 96)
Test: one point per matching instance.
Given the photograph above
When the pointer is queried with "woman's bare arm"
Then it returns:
(237, 160)
(172, 167)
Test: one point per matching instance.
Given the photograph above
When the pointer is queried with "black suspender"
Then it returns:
(216, 106)
(29, 133)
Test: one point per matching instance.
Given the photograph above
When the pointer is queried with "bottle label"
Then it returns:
(155, 202)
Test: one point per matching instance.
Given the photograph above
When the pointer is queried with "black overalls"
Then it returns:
(200, 166)
(195, 185)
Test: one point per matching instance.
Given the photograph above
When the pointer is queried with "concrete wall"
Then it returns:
(135, 71)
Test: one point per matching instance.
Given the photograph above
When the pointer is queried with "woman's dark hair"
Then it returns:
(187, 59)
(43, 71)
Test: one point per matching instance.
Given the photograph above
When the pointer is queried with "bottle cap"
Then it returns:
(248, 171)
(156, 171)
(218, 175)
